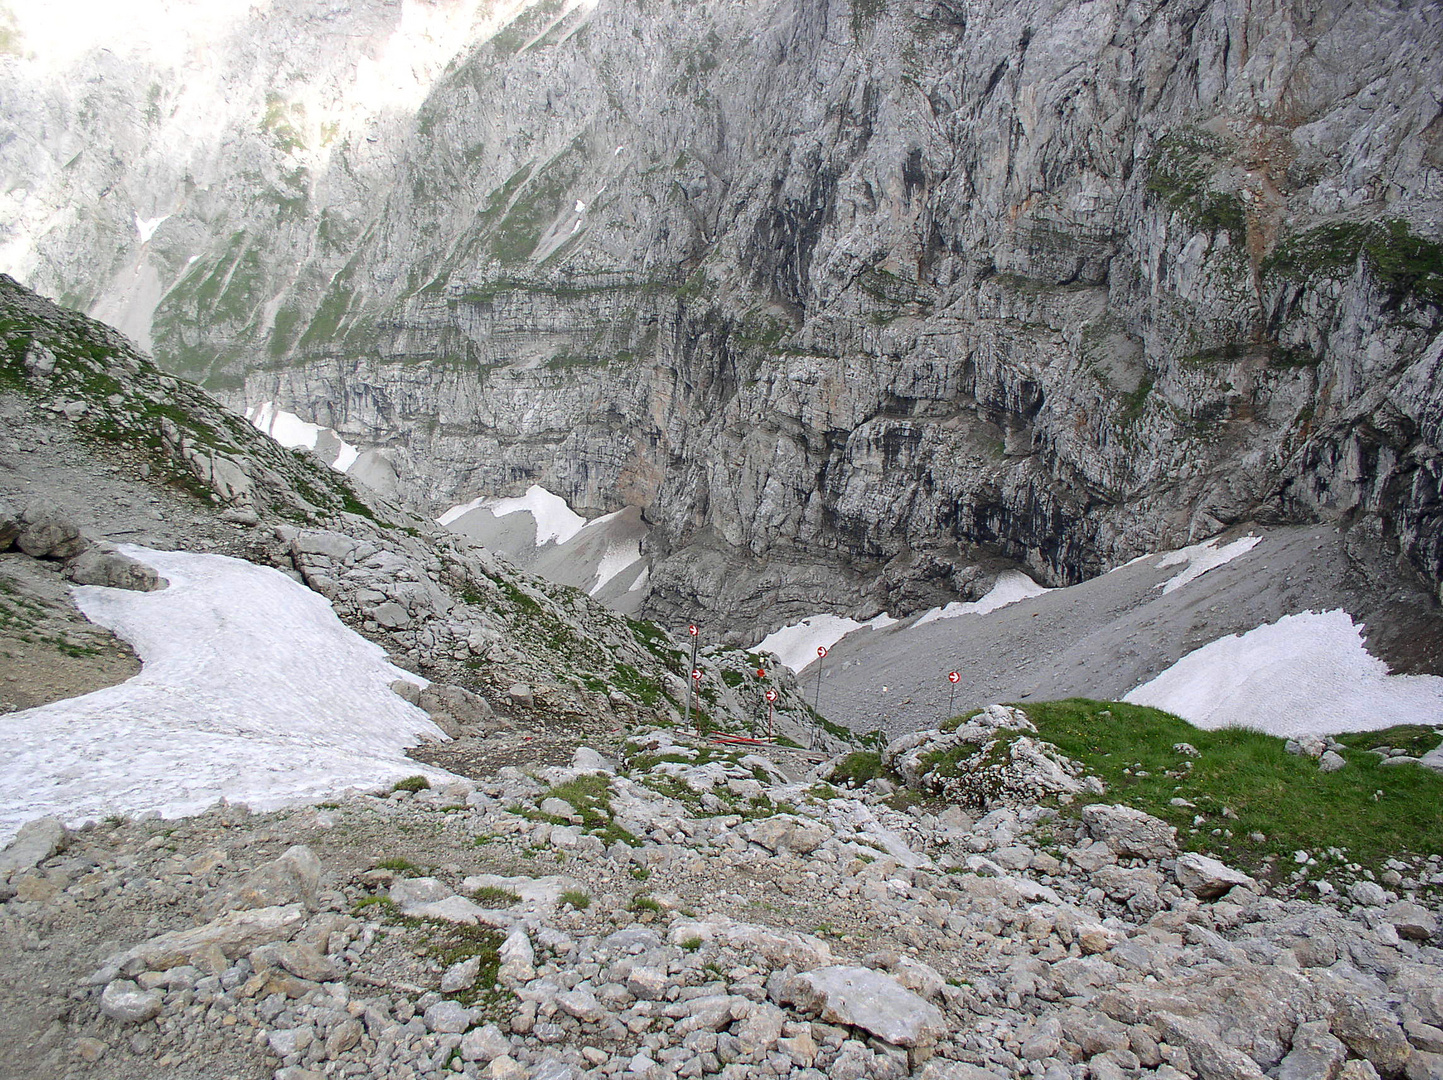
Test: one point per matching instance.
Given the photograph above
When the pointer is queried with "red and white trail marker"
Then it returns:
(771, 695)
(954, 677)
(692, 630)
(696, 674)
(821, 650)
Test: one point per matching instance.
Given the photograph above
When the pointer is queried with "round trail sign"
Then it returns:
(953, 676)
(821, 650)
(692, 630)
(771, 695)
(696, 674)
(761, 673)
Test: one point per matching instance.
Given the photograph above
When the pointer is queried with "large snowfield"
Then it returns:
(1306, 673)
(252, 690)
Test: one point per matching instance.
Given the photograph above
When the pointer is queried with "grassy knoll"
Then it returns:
(1243, 785)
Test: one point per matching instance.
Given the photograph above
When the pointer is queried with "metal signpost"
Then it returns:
(954, 678)
(771, 701)
(695, 675)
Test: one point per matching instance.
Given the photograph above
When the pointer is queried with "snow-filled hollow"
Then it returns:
(555, 521)
(796, 645)
(1304, 674)
(293, 433)
(251, 690)
(1200, 558)
(1011, 587)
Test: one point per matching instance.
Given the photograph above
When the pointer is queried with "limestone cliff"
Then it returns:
(890, 287)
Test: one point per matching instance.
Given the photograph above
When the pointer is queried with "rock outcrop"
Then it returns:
(873, 287)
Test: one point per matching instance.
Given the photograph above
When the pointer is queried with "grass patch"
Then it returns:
(412, 784)
(645, 903)
(691, 944)
(857, 768)
(495, 896)
(375, 906)
(398, 865)
(1369, 812)
(577, 899)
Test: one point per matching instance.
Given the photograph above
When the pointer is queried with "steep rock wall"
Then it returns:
(850, 296)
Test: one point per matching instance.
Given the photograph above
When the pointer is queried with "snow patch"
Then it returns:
(292, 432)
(145, 227)
(251, 690)
(796, 645)
(1304, 674)
(555, 520)
(1010, 587)
(1201, 558)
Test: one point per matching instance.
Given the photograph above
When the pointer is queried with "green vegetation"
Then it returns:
(1244, 784)
(577, 899)
(398, 865)
(590, 797)
(691, 944)
(412, 783)
(645, 903)
(1179, 172)
(452, 943)
(857, 768)
(495, 896)
(1405, 264)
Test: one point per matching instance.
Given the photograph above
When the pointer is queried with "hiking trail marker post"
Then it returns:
(695, 675)
(817, 697)
(771, 701)
(954, 678)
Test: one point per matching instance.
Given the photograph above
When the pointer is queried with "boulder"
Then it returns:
(1207, 878)
(781, 833)
(1371, 1032)
(1212, 1059)
(44, 534)
(10, 524)
(1316, 1053)
(123, 1000)
(869, 1000)
(293, 877)
(454, 708)
(234, 934)
(447, 1018)
(1412, 921)
(460, 976)
(36, 841)
(1130, 833)
(103, 565)
(1330, 762)
(484, 1044)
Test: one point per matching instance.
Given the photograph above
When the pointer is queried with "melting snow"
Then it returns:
(555, 521)
(796, 645)
(1009, 588)
(1305, 673)
(251, 690)
(1201, 558)
(619, 555)
(291, 431)
(145, 227)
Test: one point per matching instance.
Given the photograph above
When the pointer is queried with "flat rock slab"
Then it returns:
(235, 934)
(870, 1000)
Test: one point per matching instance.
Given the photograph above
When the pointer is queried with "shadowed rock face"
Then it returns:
(846, 297)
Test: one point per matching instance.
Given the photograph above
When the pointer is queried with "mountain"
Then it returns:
(118, 474)
(857, 303)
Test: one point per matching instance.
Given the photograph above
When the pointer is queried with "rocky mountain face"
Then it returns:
(848, 298)
(101, 447)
